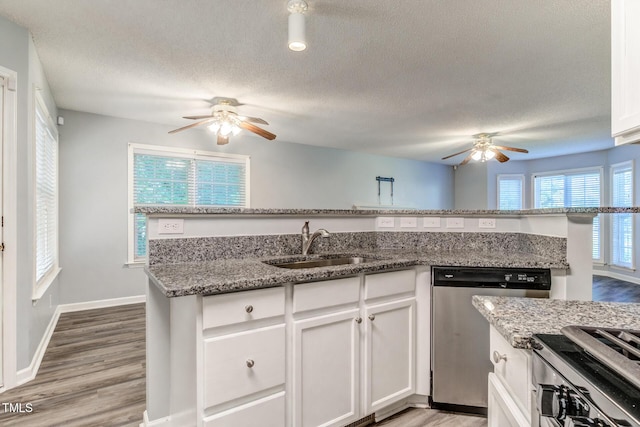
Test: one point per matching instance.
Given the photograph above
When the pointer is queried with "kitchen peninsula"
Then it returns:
(273, 335)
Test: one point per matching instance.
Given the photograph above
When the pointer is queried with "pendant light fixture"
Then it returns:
(297, 39)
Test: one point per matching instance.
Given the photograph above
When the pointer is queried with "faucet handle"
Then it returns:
(305, 228)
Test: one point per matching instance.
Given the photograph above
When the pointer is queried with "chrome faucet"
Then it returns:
(308, 240)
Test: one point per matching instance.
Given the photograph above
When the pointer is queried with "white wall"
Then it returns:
(17, 53)
(93, 191)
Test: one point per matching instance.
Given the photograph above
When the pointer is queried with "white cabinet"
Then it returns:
(625, 71)
(509, 385)
(353, 355)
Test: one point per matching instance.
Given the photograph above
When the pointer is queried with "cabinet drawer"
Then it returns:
(266, 412)
(326, 294)
(243, 363)
(227, 309)
(515, 371)
(385, 284)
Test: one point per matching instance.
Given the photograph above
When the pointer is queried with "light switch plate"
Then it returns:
(431, 222)
(170, 226)
(386, 222)
(487, 223)
(455, 223)
(408, 222)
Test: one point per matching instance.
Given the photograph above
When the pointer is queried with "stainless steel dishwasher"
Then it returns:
(460, 334)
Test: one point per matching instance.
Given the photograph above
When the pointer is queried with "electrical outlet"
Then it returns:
(455, 223)
(386, 222)
(487, 223)
(431, 222)
(170, 226)
(408, 222)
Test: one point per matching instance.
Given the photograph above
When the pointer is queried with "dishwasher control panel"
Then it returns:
(481, 277)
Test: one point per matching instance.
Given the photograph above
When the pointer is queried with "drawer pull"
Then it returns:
(497, 357)
(358, 319)
(372, 317)
(248, 308)
(250, 363)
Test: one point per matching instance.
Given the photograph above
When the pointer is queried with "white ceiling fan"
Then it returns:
(484, 149)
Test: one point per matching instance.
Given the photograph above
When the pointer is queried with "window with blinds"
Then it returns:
(622, 224)
(510, 192)
(46, 197)
(574, 189)
(173, 177)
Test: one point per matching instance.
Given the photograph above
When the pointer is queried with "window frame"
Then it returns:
(137, 148)
(521, 178)
(628, 164)
(577, 171)
(41, 285)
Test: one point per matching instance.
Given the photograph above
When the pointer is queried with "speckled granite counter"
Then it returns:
(239, 274)
(517, 319)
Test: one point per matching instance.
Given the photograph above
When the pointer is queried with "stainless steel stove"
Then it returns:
(586, 377)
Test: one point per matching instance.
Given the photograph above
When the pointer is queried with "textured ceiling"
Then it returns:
(406, 78)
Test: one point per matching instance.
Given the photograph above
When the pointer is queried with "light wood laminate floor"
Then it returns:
(432, 417)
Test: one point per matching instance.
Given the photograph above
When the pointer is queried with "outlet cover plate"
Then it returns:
(487, 223)
(386, 222)
(431, 222)
(408, 222)
(170, 226)
(455, 223)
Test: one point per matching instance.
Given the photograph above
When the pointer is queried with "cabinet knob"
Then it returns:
(497, 357)
(250, 363)
(248, 308)
(372, 317)
(358, 319)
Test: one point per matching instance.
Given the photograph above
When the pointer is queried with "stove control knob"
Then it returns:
(576, 405)
(585, 422)
(552, 402)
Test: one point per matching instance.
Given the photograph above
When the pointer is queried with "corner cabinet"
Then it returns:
(625, 71)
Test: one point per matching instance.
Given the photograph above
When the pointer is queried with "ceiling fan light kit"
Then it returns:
(297, 37)
(483, 150)
(224, 122)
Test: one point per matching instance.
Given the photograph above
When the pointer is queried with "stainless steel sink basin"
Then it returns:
(324, 262)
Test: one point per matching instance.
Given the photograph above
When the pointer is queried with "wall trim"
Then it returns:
(619, 276)
(29, 373)
(158, 422)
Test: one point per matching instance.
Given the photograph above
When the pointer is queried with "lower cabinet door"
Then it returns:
(266, 412)
(390, 345)
(503, 410)
(326, 365)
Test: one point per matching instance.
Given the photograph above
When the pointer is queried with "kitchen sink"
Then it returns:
(324, 262)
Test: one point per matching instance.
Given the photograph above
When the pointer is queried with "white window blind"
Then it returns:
(622, 224)
(46, 193)
(572, 189)
(510, 192)
(180, 178)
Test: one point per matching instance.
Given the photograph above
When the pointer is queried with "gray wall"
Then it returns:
(471, 186)
(17, 53)
(93, 191)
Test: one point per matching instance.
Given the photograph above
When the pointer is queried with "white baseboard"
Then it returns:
(158, 422)
(29, 373)
(619, 276)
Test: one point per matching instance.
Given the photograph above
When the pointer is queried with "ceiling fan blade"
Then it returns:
(204, 122)
(463, 151)
(258, 131)
(253, 120)
(466, 160)
(499, 156)
(519, 150)
(197, 117)
(222, 140)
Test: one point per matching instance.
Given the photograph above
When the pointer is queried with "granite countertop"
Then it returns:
(229, 275)
(188, 210)
(517, 319)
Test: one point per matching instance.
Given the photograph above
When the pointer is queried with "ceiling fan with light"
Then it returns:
(224, 121)
(483, 149)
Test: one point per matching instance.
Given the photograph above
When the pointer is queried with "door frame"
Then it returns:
(9, 259)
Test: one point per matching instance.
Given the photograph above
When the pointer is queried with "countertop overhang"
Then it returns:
(518, 319)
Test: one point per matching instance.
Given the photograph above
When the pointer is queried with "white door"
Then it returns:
(326, 366)
(3, 89)
(390, 345)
